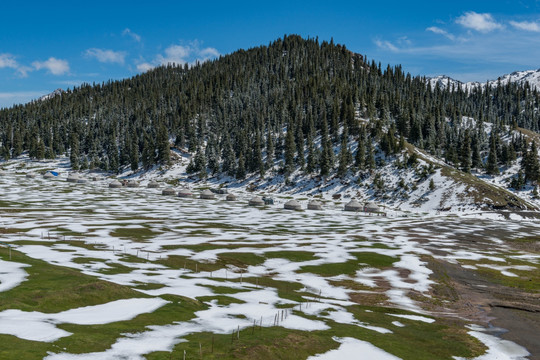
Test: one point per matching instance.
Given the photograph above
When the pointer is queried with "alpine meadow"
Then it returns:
(294, 200)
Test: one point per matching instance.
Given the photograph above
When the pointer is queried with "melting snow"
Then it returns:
(351, 348)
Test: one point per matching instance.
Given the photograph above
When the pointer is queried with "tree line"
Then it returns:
(295, 104)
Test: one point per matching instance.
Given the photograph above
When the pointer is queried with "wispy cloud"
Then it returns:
(180, 55)
(386, 45)
(19, 97)
(107, 56)
(480, 49)
(134, 36)
(526, 25)
(143, 67)
(53, 65)
(479, 22)
(9, 61)
(439, 31)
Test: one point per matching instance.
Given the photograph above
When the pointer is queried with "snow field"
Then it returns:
(204, 230)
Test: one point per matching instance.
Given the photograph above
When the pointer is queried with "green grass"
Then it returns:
(221, 299)
(445, 339)
(351, 266)
(51, 288)
(374, 260)
(95, 338)
(295, 256)
(528, 280)
(148, 286)
(332, 269)
(240, 259)
(286, 290)
(237, 259)
(225, 289)
(139, 234)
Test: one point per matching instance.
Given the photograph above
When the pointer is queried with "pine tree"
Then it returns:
(257, 158)
(431, 184)
(40, 151)
(290, 149)
(311, 156)
(359, 158)
(492, 167)
(344, 155)
(300, 160)
(530, 164)
(84, 163)
(17, 144)
(228, 164)
(476, 161)
(74, 151)
(325, 161)
(241, 169)
(147, 152)
(370, 157)
(134, 152)
(465, 153)
(163, 146)
(269, 149)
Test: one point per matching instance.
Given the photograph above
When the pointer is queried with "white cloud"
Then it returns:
(9, 61)
(438, 30)
(479, 22)
(107, 56)
(131, 34)
(143, 67)
(180, 55)
(526, 25)
(209, 53)
(53, 65)
(386, 45)
(8, 99)
(175, 54)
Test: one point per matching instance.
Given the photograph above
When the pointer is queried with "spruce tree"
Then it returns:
(530, 164)
(74, 151)
(325, 161)
(476, 160)
(269, 149)
(465, 153)
(344, 155)
(290, 149)
(370, 156)
(134, 153)
(163, 146)
(311, 155)
(241, 169)
(492, 167)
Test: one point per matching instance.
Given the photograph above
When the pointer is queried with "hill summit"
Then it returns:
(298, 114)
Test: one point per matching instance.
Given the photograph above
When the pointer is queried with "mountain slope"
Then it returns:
(294, 111)
(530, 77)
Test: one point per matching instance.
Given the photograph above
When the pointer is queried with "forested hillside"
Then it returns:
(296, 104)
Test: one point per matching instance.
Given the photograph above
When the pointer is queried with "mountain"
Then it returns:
(51, 95)
(532, 77)
(297, 115)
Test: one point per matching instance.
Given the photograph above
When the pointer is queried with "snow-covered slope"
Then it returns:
(51, 95)
(520, 77)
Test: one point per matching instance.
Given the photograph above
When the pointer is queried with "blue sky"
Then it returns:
(50, 45)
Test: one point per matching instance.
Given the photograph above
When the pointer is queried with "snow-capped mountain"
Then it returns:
(51, 95)
(444, 82)
(520, 77)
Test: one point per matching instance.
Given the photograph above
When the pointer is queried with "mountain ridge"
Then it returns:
(294, 111)
(532, 77)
